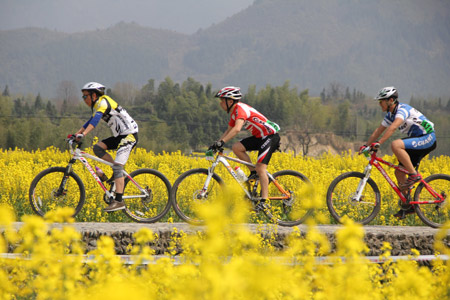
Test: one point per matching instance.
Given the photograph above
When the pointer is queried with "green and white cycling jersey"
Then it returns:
(414, 124)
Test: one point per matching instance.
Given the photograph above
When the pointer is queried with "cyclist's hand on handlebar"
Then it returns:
(217, 145)
(79, 137)
(362, 149)
(375, 146)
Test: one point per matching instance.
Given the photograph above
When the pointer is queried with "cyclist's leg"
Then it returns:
(414, 149)
(398, 147)
(124, 148)
(100, 151)
(261, 169)
(409, 152)
(268, 146)
(240, 149)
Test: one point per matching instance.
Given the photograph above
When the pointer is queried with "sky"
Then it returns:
(183, 16)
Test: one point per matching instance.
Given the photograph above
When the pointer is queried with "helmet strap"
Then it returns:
(229, 107)
(92, 99)
(393, 103)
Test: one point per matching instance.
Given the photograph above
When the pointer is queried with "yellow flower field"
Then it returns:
(18, 168)
(224, 262)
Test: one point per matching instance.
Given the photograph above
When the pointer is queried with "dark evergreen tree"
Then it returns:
(38, 105)
(6, 91)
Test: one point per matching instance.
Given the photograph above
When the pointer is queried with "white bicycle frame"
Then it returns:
(220, 158)
(77, 154)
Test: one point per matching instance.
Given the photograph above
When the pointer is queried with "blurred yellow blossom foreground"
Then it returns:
(18, 168)
(224, 262)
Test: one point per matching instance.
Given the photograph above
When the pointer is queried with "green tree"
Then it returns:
(38, 105)
(6, 91)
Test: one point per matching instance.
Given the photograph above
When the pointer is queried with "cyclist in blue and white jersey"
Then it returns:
(124, 130)
(409, 151)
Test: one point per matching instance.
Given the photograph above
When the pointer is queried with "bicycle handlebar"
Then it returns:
(71, 139)
(210, 152)
(373, 148)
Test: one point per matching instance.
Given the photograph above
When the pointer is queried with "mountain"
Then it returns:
(357, 43)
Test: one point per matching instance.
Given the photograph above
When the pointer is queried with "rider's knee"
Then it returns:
(117, 171)
(397, 145)
(260, 168)
(238, 147)
(99, 151)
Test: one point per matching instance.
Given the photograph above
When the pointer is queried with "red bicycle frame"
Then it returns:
(376, 161)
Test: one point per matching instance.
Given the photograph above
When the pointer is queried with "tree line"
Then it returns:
(186, 116)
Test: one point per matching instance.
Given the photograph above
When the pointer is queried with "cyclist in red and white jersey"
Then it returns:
(264, 138)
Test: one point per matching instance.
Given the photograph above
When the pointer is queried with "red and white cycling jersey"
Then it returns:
(255, 122)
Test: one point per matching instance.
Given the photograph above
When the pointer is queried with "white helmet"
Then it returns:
(231, 92)
(386, 93)
(94, 86)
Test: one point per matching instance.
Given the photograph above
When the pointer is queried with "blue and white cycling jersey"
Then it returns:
(414, 124)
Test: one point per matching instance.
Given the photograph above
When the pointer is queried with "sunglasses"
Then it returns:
(84, 97)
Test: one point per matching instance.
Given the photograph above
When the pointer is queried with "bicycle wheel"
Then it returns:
(292, 211)
(188, 198)
(50, 189)
(433, 214)
(341, 202)
(155, 205)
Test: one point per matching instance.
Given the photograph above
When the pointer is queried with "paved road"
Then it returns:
(161, 227)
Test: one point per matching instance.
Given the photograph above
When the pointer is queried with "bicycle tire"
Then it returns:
(434, 215)
(292, 211)
(340, 194)
(43, 193)
(185, 194)
(156, 205)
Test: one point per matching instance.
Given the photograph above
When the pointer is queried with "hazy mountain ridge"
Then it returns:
(361, 44)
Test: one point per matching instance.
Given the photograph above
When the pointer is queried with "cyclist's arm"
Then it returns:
(375, 135)
(90, 125)
(231, 132)
(82, 129)
(391, 129)
(88, 129)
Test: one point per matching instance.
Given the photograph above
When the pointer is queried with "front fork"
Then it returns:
(203, 193)
(362, 183)
(62, 186)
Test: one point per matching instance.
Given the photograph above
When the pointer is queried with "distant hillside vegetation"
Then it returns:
(359, 43)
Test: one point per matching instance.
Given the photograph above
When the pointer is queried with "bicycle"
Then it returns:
(146, 192)
(199, 186)
(349, 195)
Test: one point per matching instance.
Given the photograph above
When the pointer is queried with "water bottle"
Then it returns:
(209, 154)
(100, 174)
(240, 174)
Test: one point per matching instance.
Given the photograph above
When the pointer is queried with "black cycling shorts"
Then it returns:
(417, 155)
(265, 146)
(123, 144)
